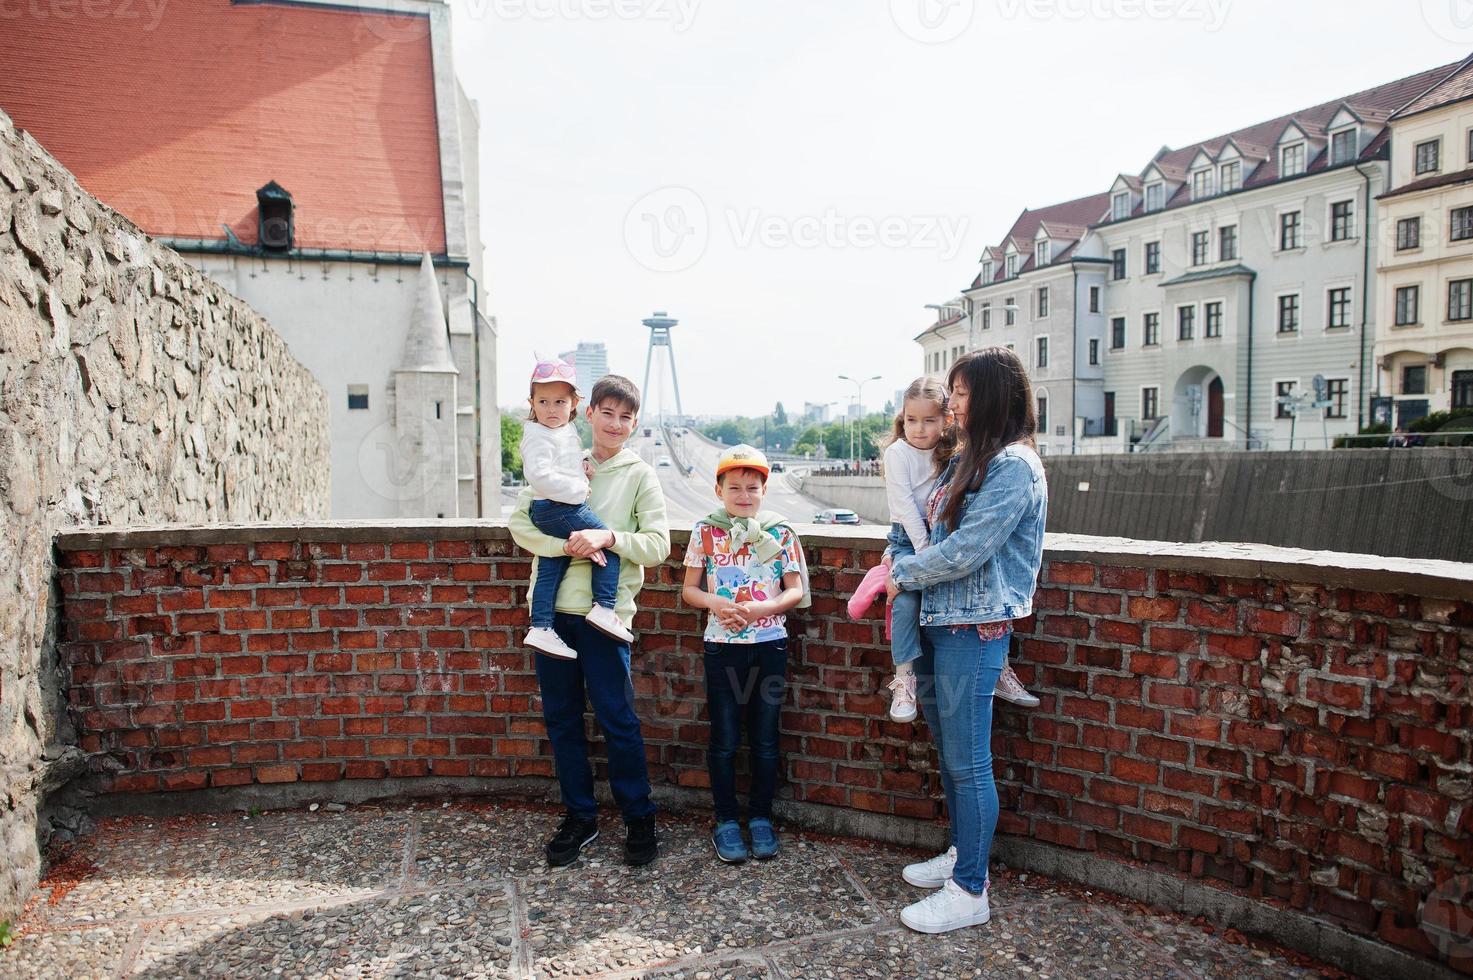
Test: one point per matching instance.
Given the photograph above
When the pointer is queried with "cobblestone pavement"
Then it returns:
(462, 890)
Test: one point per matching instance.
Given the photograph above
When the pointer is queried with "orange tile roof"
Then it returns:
(175, 123)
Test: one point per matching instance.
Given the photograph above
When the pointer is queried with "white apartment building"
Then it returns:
(1195, 303)
(1424, 351)
(590, 362)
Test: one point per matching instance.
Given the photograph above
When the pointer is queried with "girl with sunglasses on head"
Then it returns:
(558, 471)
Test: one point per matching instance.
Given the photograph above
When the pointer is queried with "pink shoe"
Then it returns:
(1009, 688)
(869, 590)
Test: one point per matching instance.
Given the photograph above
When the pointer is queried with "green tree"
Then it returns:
(780, 416)
(511, 443)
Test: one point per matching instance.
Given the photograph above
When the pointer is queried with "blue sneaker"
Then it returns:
(727, 838)
(764, 838)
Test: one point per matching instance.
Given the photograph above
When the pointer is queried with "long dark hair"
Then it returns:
(999, 413)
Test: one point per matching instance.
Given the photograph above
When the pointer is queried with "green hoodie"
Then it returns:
(625, 493)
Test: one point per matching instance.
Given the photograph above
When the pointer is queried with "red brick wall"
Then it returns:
(1298, 740)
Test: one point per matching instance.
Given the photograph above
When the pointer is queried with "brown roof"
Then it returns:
(1427, 183)
(1456, 87)
(1074, 217)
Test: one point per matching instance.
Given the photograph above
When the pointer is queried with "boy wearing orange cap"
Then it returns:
(746, 569)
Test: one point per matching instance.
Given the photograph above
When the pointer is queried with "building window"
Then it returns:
(1153, 258)
(1041, 360)
(1212, 313)
(1117, 264)
(1283, 399)
(1201, 184)
(1040, 254)
(1408, 234)
(1343, 146)
(1336, 390)
(1414, 379)
(987, 271)
(1291, 160)
(358, 398)
(1155, 196)
(1408, 305)
(1199, 247)
(1012, 269)
(1042, 301)
(1232, 176)
(1289, 313)
(1117, 333)
(437, 409)
(1043, 414)
(1151, 334)
(1338, 314)
(1094, 299)
(986, 316)
(1120, 206)
(1460, 299)
(1094, 351)
(1290, 225)
(1186, 322)
(1150, 404)
(1342, 221)
(1461, 221)
(1470, 146)
(1462, 389)
(1227, 243)
(1010, 312)
(1429, 157)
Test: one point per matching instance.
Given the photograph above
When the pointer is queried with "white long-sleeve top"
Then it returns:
(552, 460)
(910, 475)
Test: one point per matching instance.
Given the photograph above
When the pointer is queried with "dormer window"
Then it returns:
(1201, 184)
(1012, 267)
(1231, 176)
(1344, 146)
(1120, 206)
(275, 224)
(1155, 196)
(1291, 160)
(987, 271)
(1041, 253)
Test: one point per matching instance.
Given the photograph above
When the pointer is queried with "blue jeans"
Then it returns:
(746, 684)
(955, 677)
(560, 520)
(600, 675)
(905, 609)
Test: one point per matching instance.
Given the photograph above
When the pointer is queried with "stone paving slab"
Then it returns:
(428, 890)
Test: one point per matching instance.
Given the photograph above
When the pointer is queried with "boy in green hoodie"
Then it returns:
(625, 492)
(746, 568)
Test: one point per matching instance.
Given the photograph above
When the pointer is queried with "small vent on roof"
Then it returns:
(275, 211)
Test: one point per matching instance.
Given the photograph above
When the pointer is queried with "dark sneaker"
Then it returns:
(641, 846)
(572, 835)
(727, 839)
(764, 838)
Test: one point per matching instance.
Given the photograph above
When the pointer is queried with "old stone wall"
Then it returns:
(1291, 728)
(133, 389)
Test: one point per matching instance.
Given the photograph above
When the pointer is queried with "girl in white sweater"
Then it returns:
(557, 470)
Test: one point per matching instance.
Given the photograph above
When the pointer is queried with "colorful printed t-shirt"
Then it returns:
(741, 578)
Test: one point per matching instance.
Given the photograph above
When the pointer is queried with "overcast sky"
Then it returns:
(795, 180)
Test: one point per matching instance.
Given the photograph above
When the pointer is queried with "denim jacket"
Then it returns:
(985, 570)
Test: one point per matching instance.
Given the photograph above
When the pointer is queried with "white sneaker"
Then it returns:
(933, 873)
(546, 640)
(1009, 688)
(903, 697)
(953, 907)
(606, 621)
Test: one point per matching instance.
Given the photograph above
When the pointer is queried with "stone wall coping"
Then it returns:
(1367, 573)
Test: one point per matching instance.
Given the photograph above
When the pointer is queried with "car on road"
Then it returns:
(658, 442)
(647, 431)
(836, 515)
(664, 461)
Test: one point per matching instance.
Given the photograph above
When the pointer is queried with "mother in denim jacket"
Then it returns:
(987, 517)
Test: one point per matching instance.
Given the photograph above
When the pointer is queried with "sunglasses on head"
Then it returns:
(550, 369)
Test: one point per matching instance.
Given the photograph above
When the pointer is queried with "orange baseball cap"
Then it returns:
(743, 457)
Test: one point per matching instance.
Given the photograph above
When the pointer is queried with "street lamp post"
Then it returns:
(859, 402)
